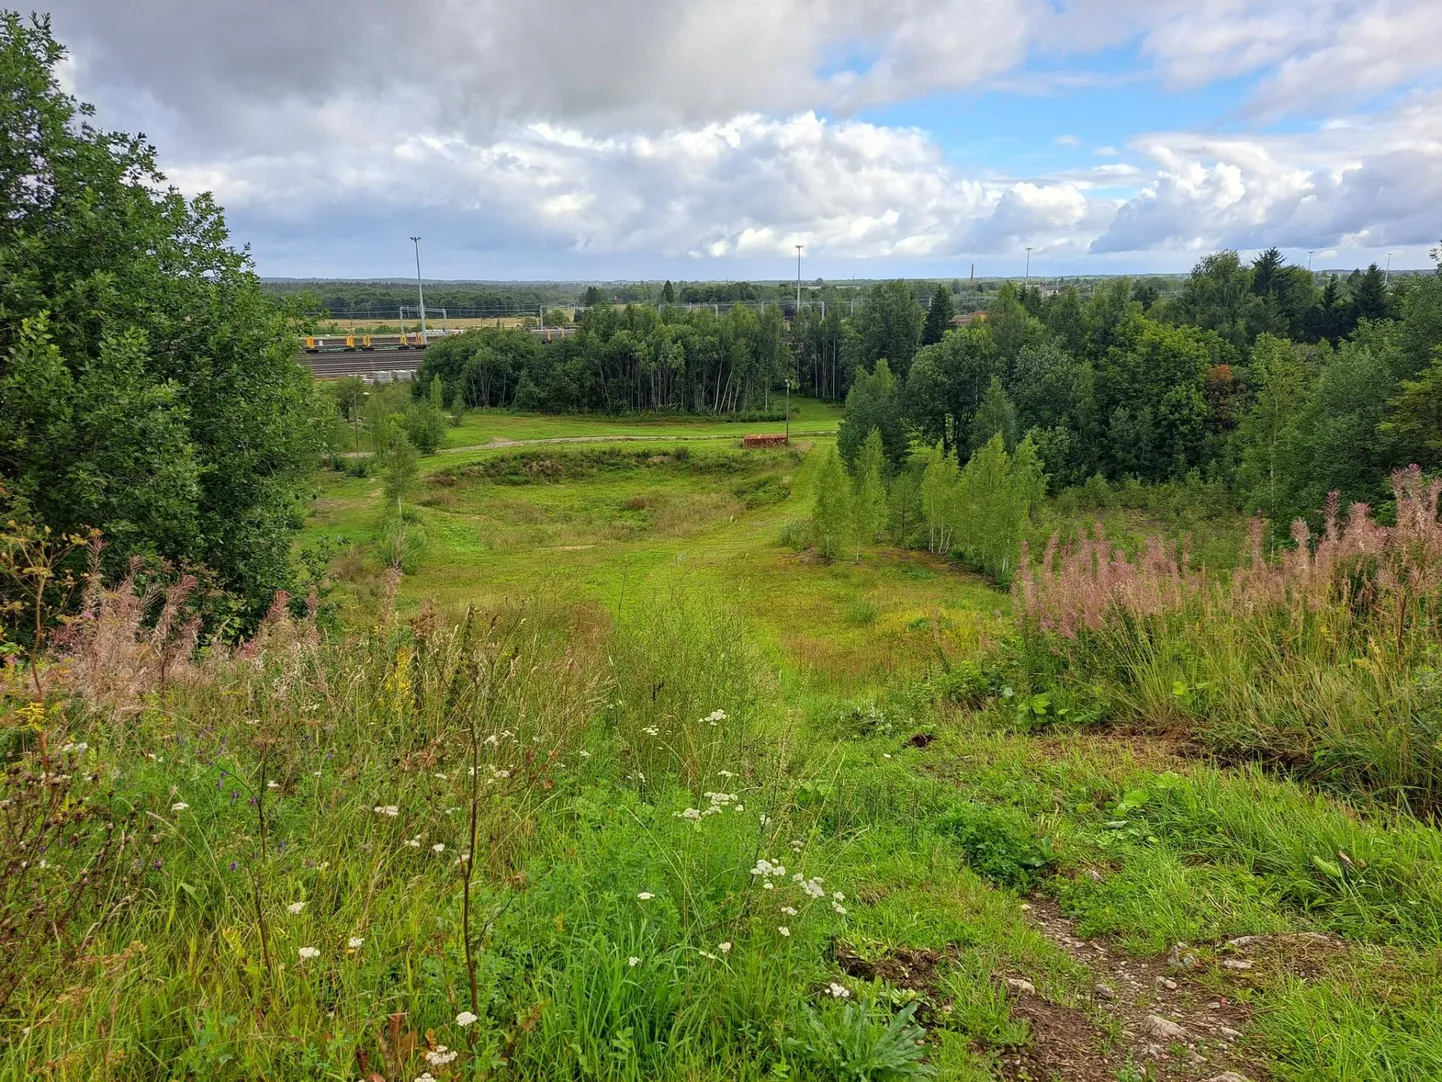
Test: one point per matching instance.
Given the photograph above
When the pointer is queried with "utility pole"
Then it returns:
(420, 289)
(788, 409)
(798, 281)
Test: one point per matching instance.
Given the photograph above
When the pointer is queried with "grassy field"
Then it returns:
(626, 784)
(479, 427)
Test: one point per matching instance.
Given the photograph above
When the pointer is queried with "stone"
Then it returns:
(1021, 987)
(1236, 963)
(1163, 1029)
(1229, 1076)
(1105, 991)
(1182, 957)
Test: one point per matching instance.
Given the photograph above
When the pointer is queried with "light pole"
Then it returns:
(1026, 281)
(798, 281)
(1387, 277)
(1309, 259)
(788, 410)
(420, 289)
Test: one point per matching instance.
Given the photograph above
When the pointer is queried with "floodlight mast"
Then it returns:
(420, 289)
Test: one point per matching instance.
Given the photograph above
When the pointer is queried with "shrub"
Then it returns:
(999, 844)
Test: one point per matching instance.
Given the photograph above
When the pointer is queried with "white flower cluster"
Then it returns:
(294, 908)
(812, 887)
(307, 953)
(465, 1018)
(440, 1056)
(838, 991)
(651, 730)
(715, 717)
(719, 803)
(386, 809)
(765, 867)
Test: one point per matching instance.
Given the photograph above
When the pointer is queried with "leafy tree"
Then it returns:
(1218, 296)
(1414, 424)
(873, 403)
(995, 495)
(947, 383)
(831, 518)
(148, 387)
(996, 416)
(938, 499)
(938, 317)
(399, 465)
(668, 293)
(1281, 389)
(1011, 326)
(868, 499)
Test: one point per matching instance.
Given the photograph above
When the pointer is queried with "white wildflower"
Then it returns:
(651, 730)
(839, 991)
(307, 953)
(838, 896)
(355, 942)
(789, 910)
(725, 773)
(768, 885)
(725, 948)
(386, 809)
(839, 908)
(814, 888)
(693, 814)
(272, 784)
(414, 843)
(633, 961)
(584, 754)
(466, 1018)
(440, 1056)
(786, 932)
(439, 847)
(645, 896)
(294, 908)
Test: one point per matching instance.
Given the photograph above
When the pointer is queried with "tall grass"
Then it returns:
(524, 844)
(1327, 661)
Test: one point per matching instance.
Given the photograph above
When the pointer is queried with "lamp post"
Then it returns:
(788, 411)
(1026, 281)
(1387, 277)
(420, 289)
(1309, 259)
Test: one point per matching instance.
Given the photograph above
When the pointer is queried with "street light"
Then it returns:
(420, 289)
(788, 410)
(1027, 280)
(1309, 258)
(1387, 277)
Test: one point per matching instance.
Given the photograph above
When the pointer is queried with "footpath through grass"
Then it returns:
(616, 784)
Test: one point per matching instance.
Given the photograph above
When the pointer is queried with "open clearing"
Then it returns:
(1081, 917)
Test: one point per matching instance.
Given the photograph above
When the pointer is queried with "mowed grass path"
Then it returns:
(480, 427)
(702, 528)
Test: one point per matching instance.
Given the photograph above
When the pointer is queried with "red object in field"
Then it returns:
(768, 439)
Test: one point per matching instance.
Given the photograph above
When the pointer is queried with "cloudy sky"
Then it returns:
(704, 138)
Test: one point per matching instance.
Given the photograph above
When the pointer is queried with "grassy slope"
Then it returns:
(661, 574)
(845, 629)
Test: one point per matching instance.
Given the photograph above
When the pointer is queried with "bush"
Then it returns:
(999, 844)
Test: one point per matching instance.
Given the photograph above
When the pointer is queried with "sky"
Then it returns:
(629, 139)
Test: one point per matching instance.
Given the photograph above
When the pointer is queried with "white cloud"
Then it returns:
(1067, 141)
(1369, 184)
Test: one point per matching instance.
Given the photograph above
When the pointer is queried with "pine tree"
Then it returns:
(868, 501)
(996, 416)
(938, 316)
(831, 514)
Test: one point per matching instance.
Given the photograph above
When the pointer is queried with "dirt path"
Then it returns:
(1168, 1015)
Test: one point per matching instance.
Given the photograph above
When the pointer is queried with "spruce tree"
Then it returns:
(938, 316)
